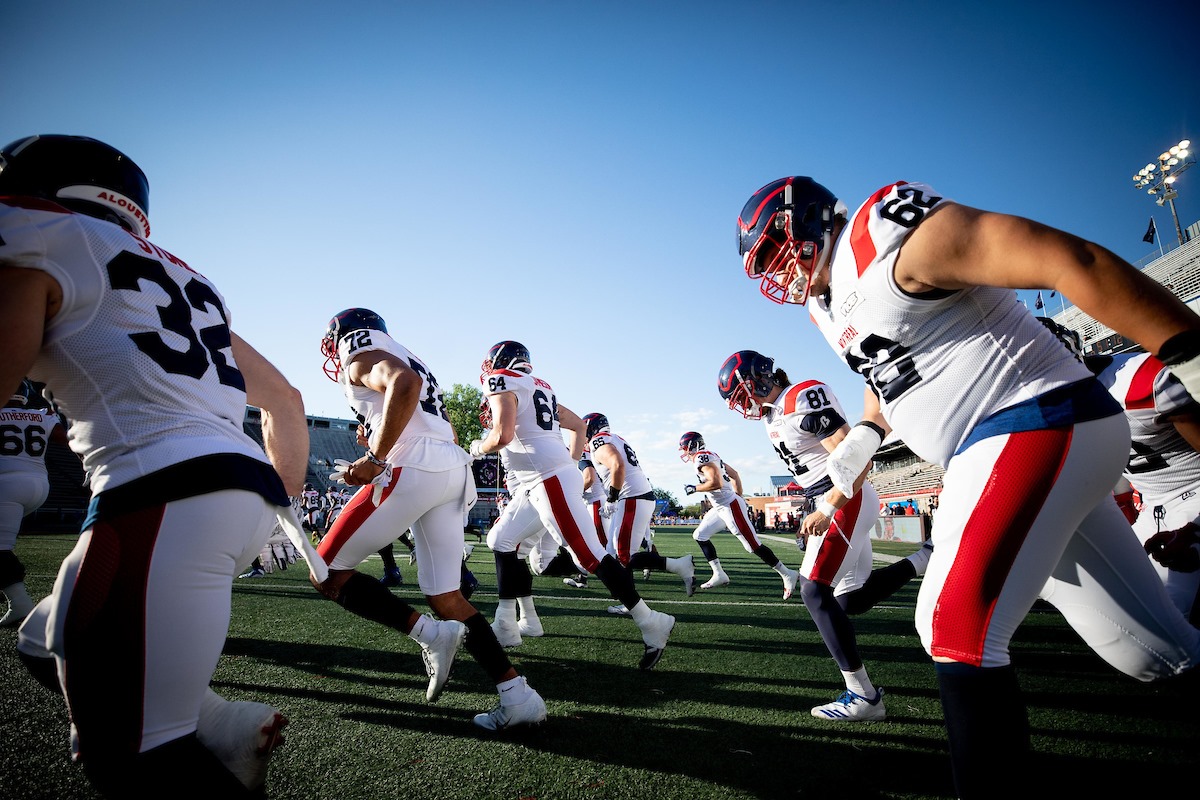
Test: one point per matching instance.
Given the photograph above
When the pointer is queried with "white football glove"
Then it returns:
(476, 449)
(606, 509)
(851, 456)
(381, 482)
(340, 467)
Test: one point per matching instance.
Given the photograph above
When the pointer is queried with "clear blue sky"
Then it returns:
(569, 174)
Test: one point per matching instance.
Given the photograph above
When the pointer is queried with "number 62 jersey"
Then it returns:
(138, 356)
(941, 362)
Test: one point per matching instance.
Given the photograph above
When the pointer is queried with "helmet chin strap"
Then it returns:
(800, 294)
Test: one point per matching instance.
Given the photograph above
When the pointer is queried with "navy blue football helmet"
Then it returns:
(745, 378)
(795, 216)
(26, 396)
(352, 319)
(690, 444)
(82, 174)
(595, 423)
(508, 355)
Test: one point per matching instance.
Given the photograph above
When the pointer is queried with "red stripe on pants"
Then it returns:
(1021, 480)
(626, 532)
(357, 511)
(834, 547)
(105, 634)
(743, 525)
(565, 520)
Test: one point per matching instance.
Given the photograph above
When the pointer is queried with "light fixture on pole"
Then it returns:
(1158, 179)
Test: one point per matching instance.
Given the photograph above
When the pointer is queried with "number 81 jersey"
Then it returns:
(138, 356)
(804, 414)
(940, 362)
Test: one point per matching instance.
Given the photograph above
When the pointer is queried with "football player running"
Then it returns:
(729, 511)
(1163, 465)
(28, 427)
(915, 292)
(629, 503)
(133, 343)
(527, 418)
(418, 478)
(804, 423)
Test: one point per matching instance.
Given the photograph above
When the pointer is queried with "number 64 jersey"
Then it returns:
(139, 355)
(942, 362)
(537, 447)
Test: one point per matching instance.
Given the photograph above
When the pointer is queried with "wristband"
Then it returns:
(866, 423)
(613, 494)
(827, 508)
(1179, 348)
(372, 458)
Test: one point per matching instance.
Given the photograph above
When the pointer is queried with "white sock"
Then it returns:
(506, 611)
(425, 631)
(780, 568)
(675, 566)
(640, 613)
(513, 691)
(859, 683)
(716, 567)
(527, 609)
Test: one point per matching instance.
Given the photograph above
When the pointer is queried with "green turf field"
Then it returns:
(724, 716)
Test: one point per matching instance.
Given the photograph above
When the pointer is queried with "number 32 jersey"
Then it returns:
(802, 417)
(942, 362)
(139, 354)
(427, 441)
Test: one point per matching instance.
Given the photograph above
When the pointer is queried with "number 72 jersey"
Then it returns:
(941, 362)
(138, 356)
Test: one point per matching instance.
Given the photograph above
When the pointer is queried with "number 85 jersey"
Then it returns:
(138, 356)
(941, 362)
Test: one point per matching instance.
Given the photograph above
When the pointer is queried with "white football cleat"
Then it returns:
(508, 635)
(851, 707)
(530, 711)
(687, 574)
(578, 582)
(655, 635)
(618, 609)
(242, 734)
(439, 655)
(720, 579)
(530, 627)
(790, 578)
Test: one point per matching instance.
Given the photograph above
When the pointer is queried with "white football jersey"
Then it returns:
(24, 437)
(725, 494)
(943, 362)
(595, 492)
(537, 447)
(427, 441)
(1161, 462)
(636, 482)
(138, 357)
(802, 416)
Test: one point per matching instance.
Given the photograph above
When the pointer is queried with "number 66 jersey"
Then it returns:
(978, 350)
(138, 355)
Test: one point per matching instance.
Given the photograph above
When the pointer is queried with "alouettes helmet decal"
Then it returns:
(80, 173)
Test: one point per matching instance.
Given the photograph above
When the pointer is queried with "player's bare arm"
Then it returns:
(712, 478)
(30, 298)
(400, 386)
(608, 457)
(285, 431)
(504, 427)
(817, 523)
(957, 246)
(575, 429)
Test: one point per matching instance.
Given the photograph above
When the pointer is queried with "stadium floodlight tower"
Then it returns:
(1159, 179)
